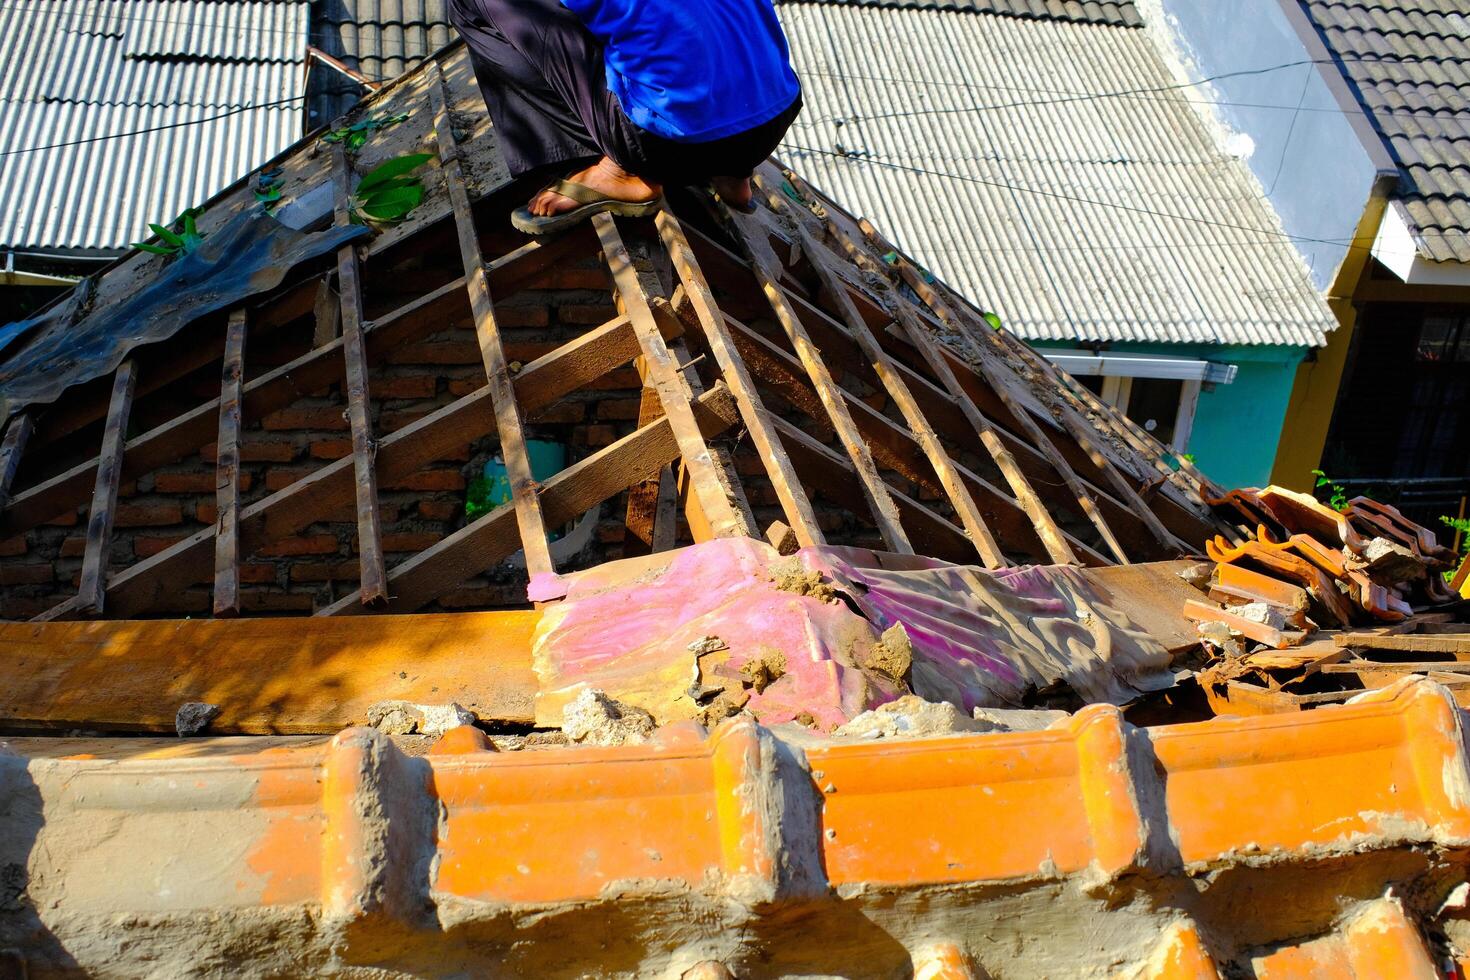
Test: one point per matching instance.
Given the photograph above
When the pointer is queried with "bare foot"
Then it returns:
(734, 191)
(605, 177)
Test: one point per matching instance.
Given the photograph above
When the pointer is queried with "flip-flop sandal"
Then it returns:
(591, 202)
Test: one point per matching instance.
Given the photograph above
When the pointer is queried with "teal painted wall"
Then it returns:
(1237, 426)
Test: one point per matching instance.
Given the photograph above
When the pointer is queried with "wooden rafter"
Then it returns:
(490, 538)
(171, 441)
(719, 511)
(324, 492)
(373, 576)
(529, 518)
(879, 495)
(17, 434)
(227, 472)
(794, 501)
(90, 594)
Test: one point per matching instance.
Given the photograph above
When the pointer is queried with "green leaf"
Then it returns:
(393, 204)
(356, 141)
(335, 136)
(390, 169)
(992, 319)
(190, 231)
(166, 235)
(271, 194)
(155, 249)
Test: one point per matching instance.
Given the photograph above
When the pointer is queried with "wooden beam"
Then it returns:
(944, 468)
(491, 538)
(268, 675)
(372, 575)
(718, 510)
(17, 434)
(789, 491)
(227, 472)
(104, 494)
(507, 413)
(643, 498)
(923, 341)
(327, 490)
(880, 498)
(170, 442)
(895, 447)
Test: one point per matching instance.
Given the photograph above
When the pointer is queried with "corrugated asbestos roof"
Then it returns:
(1121, 14)
(380, 38)
(82, 69)
(978, 142)
(1408, 62)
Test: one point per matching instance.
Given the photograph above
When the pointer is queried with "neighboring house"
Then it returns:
(377, 39)
(1361, 108)
(116, 114)
(1039, 158)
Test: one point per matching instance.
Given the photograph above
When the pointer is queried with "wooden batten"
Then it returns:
(227, 472)
(17, 434)
(104, 495)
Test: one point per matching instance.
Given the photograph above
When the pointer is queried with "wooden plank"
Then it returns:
(938, 405)
(17, 434)
(372, 575)
(1417, 667)
(944, 468)
(491, 538)
(104, 494)
(227, 472)
(880, 498)
(267, 675)
(1153, 596)
(719, 511)
(171, 441)
(893, 446)
(327, 312)
(327, 490)
(928, 348)
(1453, 643)
(789, 491)
(529, 518)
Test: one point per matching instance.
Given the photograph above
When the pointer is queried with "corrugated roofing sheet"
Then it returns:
(1408, 62)
(92, 73)
(1120, 13)
(979, 143)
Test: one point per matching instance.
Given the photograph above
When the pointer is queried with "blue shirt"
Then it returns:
(693, 70)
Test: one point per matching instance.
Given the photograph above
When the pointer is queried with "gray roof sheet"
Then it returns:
(88, 77)
(380, 38)
(978, 143)
(1408, 63)
(1118, 14)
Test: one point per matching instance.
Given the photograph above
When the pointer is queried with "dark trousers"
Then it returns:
(542, 76)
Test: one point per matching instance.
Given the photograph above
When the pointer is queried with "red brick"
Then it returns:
(440, 510)
(586, 314)
(257, 573)
(25, 574)
(160, 514)
(281, 477)
(253, 600)
(431, 480)
(258, 451)
(320, 571)
(565, 411)
(600, 435)
(459, 387)
(195, 481)
(573, 277)
(306, 544)
(619, 409)
(74, 547)
(521, 316)
(436, 352)
(11, 547)
(327, 417)
(408, 386)
(330, 448)
(69, 519)
(206, 512)
(145, 546)
(409, 541)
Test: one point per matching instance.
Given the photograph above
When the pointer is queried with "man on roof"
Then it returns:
(683, 92)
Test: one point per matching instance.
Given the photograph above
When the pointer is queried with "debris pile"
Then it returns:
(1302, 612)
